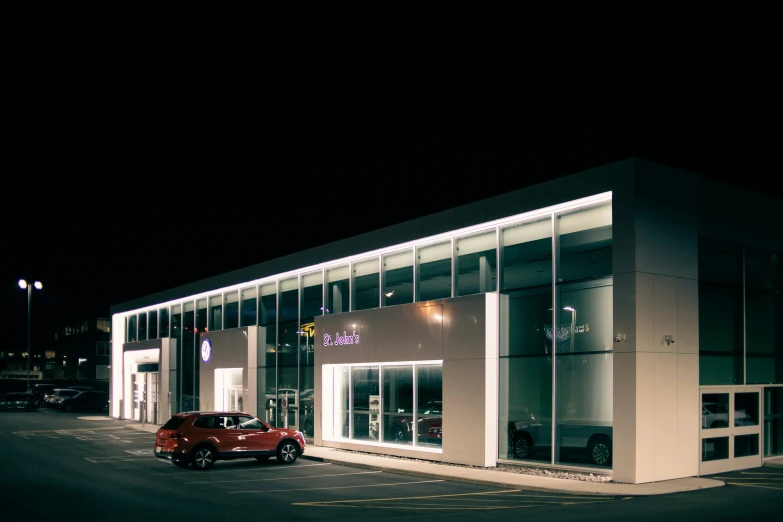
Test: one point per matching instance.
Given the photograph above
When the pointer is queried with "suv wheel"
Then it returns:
(601, 451)
(522, 447)
(287, 452)
(203, 458)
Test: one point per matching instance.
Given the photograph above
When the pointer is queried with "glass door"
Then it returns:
(730, 429)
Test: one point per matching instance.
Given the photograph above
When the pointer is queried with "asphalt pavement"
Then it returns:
(491, 476)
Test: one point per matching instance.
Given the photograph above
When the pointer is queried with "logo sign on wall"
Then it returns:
(345, 338)
(206, 350)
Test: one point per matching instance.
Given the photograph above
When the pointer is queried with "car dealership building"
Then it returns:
(627, 319)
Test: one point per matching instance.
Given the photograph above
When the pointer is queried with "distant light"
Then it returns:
(389, 294)
(22, 284)
(569, 309)
(38, 285)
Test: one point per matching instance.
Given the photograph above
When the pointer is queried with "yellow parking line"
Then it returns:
(337, 487)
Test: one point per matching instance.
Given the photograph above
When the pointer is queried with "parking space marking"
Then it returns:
(479, 501)
(262, 469)
(335, 487)
(102, 460)
(298, 477)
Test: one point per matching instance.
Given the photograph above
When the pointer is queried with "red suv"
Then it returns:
(202, 438)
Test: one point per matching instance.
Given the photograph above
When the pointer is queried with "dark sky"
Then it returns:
(146, 160)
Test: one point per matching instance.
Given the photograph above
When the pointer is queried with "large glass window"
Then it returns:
(398, 278)
(408, 410)
(337, 290)
(215, 312)
(190, 362)
(583, 334)
(267, 317)
(476, 263)
(764, 316)
(365, 403)
(202, 317)
(366, 284)
(143, 326)
(527, 255)
(398, 404)
(133, 332)
(433, 271)
(249, 306)
(721, 340)
(288, 352)
(163, 323)
(153, 324)
(773, 421)
(428, 423)
(230, 309)
(312, 305)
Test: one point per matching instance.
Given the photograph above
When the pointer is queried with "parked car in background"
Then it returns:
(200, 439)
(430, 414)
(714, 415)
(93, 400)
(18, 401)
(528, 434)
(41, 390)
(54, 399)
(80, 387)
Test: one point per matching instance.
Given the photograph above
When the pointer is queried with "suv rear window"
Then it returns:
(173, 423)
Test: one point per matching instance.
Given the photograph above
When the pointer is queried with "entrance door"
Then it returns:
(233, 398)
(152, 397)
(730, 429)
(139, 395)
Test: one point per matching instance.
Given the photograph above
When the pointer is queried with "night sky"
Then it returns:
(144, 161)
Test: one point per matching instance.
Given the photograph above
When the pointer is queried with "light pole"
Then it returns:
(573, 325)
(24, 284)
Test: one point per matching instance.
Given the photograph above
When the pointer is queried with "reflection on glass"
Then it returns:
(397, 278)
(215, 313)
(714, 449)
(434, 271)
(365, 403)
(714, 410)
(132, 329)
(527, 255)
(584, 409)
(163, 323)
(341, 402)
(428, 419)
(763, 316)
(398, 404)
(526, 422)
(721, 343)
(230, 310)
(153, 327)
(248, 306)
(746, 445)
(746, 409)
(288, 351)
(143, 326)
(773, 422)
(267, 317)
(366, 284)
(476, 263)
(337, 290)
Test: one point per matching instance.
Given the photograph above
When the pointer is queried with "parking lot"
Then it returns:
(104, 466)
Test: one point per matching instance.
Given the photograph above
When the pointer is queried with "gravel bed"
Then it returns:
(504, 468)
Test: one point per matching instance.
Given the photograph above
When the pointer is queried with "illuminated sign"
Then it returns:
(206, 350)
(341, 339)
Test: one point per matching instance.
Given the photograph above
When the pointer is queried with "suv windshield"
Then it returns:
(173, 423)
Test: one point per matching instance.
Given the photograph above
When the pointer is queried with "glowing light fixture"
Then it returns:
(38, 286)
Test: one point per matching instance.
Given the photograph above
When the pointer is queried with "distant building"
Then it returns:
(625, 319)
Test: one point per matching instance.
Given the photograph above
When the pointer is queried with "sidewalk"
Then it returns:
(490, 476)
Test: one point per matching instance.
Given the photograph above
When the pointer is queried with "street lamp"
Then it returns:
(573, 324)
(23, 284)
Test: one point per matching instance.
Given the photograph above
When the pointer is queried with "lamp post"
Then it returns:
(24, 284)
(573, 325)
